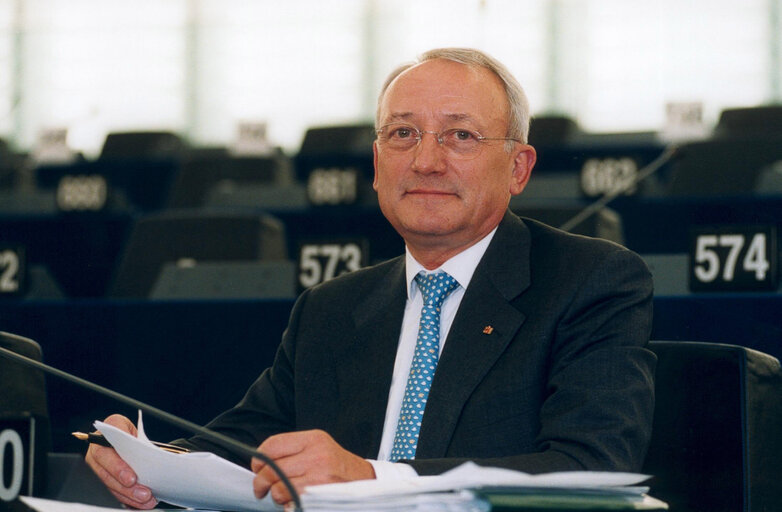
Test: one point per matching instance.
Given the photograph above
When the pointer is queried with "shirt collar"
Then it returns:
(461, 267)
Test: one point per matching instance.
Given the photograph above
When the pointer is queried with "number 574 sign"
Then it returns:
(733, 258)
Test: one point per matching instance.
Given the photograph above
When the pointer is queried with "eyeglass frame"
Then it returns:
(438, 135)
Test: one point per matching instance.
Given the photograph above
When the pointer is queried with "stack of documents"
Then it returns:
(469, 484)
(206, 481)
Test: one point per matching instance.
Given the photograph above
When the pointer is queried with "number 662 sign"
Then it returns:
(733, 258)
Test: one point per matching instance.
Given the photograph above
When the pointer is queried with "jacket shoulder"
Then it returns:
(553, 238)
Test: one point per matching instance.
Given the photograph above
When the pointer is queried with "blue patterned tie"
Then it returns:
(435, 288)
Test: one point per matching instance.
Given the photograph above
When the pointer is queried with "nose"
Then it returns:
(429, 155)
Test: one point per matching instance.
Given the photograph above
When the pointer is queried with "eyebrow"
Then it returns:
(399, 116)
(460, 117)
(404, 116)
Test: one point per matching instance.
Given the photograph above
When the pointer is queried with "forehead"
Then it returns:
(445, 89)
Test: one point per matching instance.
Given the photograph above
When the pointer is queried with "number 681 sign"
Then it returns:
(733, 258)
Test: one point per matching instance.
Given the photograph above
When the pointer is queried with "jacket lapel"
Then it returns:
(484, 325)
(367, 363)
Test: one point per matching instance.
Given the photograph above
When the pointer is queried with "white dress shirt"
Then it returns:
(461, 267)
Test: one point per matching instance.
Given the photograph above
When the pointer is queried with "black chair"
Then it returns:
(552, 130)
(141, 144)
(132, 183)
(345, 148)
(723, 167)
(342, 139)
(188, 236)
(24, 389)
(750, 121)
(198, 176)
(7, 167)
(716, 436)
(67, 255)
(138, 169)
(23, 397)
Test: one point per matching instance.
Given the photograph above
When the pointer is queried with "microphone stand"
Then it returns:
(216, 437)
(609, 196)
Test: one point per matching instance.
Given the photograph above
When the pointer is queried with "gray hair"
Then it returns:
(518, 116)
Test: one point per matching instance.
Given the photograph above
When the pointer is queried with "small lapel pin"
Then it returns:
(488, 329)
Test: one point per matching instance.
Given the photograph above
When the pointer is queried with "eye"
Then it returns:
(463, 135)
(400, 132)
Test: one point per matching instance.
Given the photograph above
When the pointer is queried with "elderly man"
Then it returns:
(493, 339)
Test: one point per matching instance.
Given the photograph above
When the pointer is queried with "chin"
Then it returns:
(429, 226)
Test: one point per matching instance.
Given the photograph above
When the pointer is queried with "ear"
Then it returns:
(374, 163)
(523, 162)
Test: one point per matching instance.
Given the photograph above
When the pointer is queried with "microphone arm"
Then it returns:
(216, 437)
(609, 196)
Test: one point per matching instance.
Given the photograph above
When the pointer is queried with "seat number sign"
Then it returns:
(733, 258)
(17, 457)
(609, 175)
(12, 271)
(82, 193)
(332, 186)
(321, 261)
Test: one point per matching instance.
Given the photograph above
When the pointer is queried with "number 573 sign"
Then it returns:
(733, 258)
(322, 260)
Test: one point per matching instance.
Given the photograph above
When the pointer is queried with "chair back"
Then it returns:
(23, 388)
(189, 237)
(716, 435)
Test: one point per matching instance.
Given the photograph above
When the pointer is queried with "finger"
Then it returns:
(122, 423)
(119, 479)
(99, 457)
(109, 467)
(293, 467)
(125, 500)
(280, 493)
(115, 473)
(285, 445)
(280, 446)
(257, 464)
(261, 486)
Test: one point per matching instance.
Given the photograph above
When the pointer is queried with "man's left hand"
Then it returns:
(307, 458)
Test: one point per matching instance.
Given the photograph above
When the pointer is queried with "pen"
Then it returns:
(97, 438)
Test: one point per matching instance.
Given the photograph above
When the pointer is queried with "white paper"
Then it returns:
(195, 480)
(462, 501)
(44, 505)
(472, 476)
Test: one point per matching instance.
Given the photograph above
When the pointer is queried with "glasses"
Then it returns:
(459, 142)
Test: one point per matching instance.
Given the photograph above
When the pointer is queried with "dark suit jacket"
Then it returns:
(563, 381)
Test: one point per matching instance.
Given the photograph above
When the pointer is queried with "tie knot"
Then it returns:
(435, 287)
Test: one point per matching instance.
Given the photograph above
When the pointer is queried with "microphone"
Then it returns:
(609, 196)
(220, 439)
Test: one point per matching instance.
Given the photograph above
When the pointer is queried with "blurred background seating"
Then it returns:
(187, 238)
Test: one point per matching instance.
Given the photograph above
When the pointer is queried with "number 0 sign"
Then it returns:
(19, 473)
